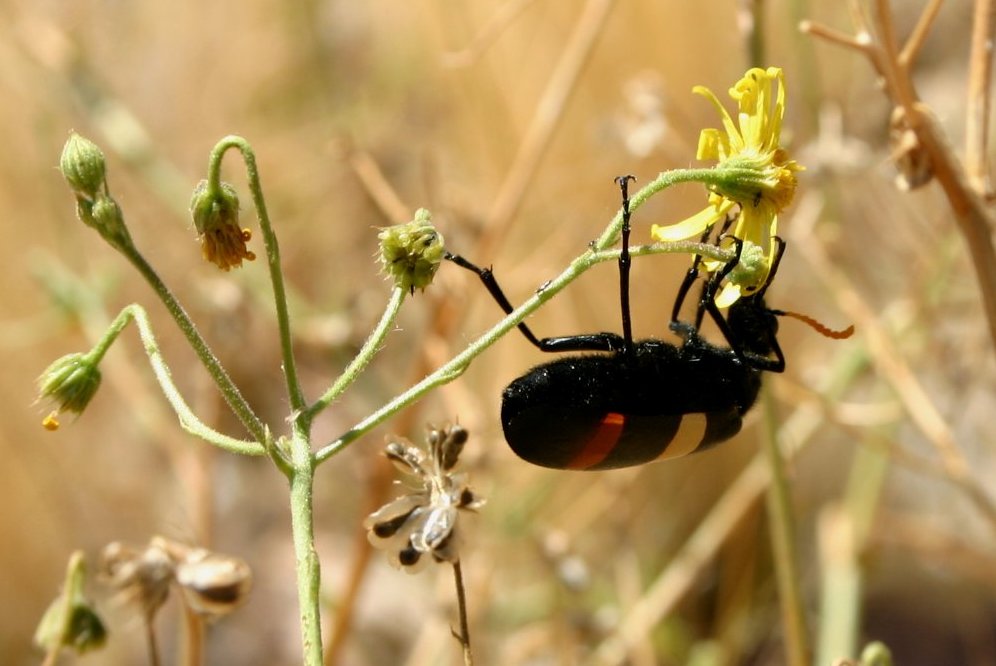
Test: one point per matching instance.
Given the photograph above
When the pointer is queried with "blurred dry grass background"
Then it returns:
(327, 92)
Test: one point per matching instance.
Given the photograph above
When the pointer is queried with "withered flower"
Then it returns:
(425, 520)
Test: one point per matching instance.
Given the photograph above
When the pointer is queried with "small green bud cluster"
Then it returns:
(85, 169)
(411, 252)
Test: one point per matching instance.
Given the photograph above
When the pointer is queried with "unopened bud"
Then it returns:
(70, 382)
(109, 222)
(83, 166)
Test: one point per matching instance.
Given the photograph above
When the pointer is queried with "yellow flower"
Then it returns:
(754, 178)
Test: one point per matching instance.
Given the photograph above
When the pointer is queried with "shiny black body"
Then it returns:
(639, 401)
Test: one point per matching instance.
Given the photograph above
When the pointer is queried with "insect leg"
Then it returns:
(691, 276)
(753, 307)
(487, 278)
(624, 264)
(609, 342)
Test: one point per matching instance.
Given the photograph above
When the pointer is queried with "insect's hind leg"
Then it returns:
(609, 342)
(487, 277)
(690, 277)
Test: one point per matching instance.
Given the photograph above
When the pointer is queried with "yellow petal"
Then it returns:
(775, 127)
(736, 141)
(713, 145)
(692, 226)
(728, 295)
(753, 223)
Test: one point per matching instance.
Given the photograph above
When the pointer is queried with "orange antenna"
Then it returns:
(818, 326)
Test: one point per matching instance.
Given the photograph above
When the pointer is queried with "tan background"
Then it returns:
(324, 90)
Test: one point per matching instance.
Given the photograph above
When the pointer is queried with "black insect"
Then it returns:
(641, 400)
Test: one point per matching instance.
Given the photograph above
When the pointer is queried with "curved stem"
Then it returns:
(294, 392)
(360, 361)
(664, 180)
(225, 384)
(188, 420)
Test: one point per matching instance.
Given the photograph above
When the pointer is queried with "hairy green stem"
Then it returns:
(188, 420)
(367, 352)
(306, 557)
(225, 384)
(294, 392)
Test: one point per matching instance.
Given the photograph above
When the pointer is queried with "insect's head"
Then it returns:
(756, 325)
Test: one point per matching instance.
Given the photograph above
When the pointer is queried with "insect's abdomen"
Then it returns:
(656, 405)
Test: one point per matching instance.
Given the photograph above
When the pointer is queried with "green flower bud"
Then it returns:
(411, 252)
(71, 621)
(216, 218)
(752, 270)
(83, 166)
(107, 219)
(70, 382)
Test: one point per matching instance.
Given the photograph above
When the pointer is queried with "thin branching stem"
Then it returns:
(919, 34)
(294, 392)
(372, 345)
(188, 420)
(306, 556)
(193, 638)
(464, 635)
(225, 384)
(964, 190)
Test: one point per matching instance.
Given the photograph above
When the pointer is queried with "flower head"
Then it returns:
(754, 178)
(216, 218)
(70, 382)
(424, 521)
(411, 252)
